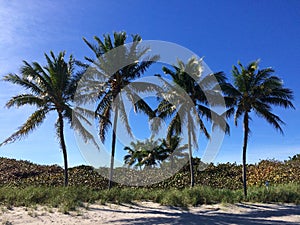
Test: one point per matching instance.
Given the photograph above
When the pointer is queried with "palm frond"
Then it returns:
(239, 111)
(124, 117)
(93, 47)
(174, 127)
(192, 129)
(79, 127)
(25, 99)
(283, 93)
(210, 80)
(31, 72)
(83, 114)
(278, 102)
(24, 82)
(104, 123)
(203, 129)
(32, 122)
(273, 119)
(165, 109)
(142, 106)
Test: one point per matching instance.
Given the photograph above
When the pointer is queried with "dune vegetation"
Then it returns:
(26, 184)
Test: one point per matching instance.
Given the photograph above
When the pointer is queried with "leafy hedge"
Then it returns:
(227, 175)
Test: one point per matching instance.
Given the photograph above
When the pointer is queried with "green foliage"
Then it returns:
(23, 173)
(70, 198)
(65, 198)
(287, 193)
(222, 176)
(150, 153)
(27, 184)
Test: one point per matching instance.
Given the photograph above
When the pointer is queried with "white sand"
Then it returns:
(152, 213)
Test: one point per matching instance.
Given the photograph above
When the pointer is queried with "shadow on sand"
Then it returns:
(258, 215)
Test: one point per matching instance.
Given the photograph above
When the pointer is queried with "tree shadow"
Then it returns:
(260, 215)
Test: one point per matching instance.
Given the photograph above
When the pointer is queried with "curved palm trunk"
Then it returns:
(63, 147)
(190, 156)
(246, 133)
(113, 148)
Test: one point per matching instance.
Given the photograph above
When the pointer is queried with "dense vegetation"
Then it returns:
(222, 176)
(27, 184)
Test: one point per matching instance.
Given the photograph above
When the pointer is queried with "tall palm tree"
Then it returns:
(191, 102)
(117, 65)
(257, 90)
(50, 88)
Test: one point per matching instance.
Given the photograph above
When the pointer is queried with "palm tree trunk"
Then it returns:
(113, 148)
(246, 133)
(191, 157)
(63, 147)
(172, 161)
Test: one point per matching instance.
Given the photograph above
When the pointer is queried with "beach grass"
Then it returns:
(70, 198)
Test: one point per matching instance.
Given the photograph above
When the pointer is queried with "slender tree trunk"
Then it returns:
(63, 147)
(113, 148)
(172, 160)
(190, 156)
(246, 133)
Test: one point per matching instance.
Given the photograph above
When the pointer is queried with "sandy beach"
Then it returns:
(152, 213)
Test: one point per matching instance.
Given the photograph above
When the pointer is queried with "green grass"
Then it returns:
(288, 193)
(70, 198)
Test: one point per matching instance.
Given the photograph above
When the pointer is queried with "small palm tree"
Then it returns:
(51, 88)
(147, 153)
(191, 102)
(257, 90)
(175, 151)
(136, 154)
(117, 65)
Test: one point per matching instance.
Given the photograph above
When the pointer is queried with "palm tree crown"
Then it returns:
(258, 90)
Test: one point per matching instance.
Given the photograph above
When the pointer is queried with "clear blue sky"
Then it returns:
(221, 31)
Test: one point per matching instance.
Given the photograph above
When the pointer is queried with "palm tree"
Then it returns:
(51, 88)
(188, 102)
(145, 153)
(134, 157)
(176, 152)
(256, 90)
(117, 66)
(136, 154)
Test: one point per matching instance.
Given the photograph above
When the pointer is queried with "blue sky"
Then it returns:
(222, 32)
